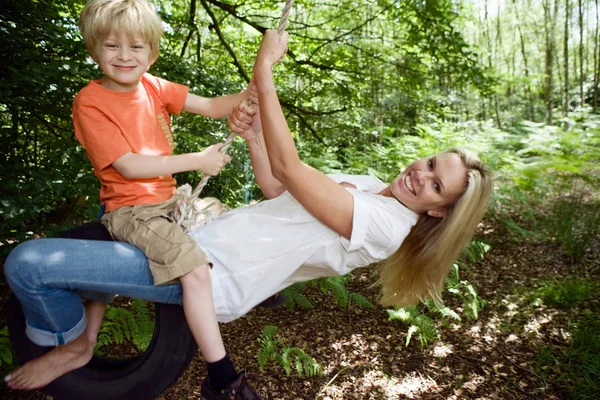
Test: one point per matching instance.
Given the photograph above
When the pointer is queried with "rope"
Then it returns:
(190, 213)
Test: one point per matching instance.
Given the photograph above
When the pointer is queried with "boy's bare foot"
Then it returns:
(41, 371)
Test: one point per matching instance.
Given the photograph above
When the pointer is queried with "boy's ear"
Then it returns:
(152, 60)
(441, 212)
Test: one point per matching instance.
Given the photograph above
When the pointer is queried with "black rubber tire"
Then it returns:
(145, 376)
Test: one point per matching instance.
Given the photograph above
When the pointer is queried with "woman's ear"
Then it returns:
(441, 212)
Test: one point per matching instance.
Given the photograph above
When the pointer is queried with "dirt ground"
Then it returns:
(364, 355)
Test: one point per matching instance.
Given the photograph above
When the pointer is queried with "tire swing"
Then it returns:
(142, 377)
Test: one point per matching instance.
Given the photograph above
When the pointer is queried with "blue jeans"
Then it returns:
(47, 275)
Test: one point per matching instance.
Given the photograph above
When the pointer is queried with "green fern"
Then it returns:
(135, 324)
(335, 285)
(275, 349)
(444, 311)
(465, 291)
(476, 250)
(294, 296)
(144, 317)
(419, 324)
(6, 357)
(359, 300)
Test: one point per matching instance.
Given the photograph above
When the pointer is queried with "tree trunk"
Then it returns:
(596, 62)
(566, 60)
(581, 75)
(550, 28)
(526, 67)
(486, 29)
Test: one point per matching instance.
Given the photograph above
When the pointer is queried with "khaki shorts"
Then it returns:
(151, 228)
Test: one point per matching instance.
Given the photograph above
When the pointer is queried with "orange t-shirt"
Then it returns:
(110, 124)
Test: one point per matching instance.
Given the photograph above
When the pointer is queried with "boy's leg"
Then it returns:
(94, 311)
(200, 313)
(46, 275)
(173, 255)
(201, 317)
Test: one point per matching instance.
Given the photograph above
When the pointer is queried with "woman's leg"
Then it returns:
(45, 275)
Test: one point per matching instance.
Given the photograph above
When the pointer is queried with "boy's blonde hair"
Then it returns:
(419, 268)
(100, 18)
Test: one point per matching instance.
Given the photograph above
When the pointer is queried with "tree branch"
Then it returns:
(217, 28)
(193, 27)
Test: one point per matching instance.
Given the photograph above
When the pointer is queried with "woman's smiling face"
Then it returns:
(429, 184)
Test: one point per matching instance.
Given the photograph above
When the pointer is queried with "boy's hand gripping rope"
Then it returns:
(189, 211)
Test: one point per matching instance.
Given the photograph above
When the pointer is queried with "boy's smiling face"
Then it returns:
(124, 60)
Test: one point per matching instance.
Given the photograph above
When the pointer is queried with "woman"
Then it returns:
(313, 226)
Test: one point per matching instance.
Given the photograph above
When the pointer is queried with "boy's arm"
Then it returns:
(245, 121)
(219, 107)
(140, 166)
(214, 107)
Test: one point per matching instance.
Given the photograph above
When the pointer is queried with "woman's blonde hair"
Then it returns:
(100, 18)
(418, 269)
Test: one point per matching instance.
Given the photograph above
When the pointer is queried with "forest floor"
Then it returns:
(364, 355)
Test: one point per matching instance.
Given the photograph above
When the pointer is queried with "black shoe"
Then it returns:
(239, 389)
(276, 300)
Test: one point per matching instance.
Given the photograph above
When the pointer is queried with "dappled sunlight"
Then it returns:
(475, 349)
(482, 333)
(353, 351)
(473, 383)
(442, 350)
(412, 386)
(534, 326)
(512, 338)
(561, 333)
(512, 308)
(492, 326)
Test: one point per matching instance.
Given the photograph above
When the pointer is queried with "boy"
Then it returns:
(123, 123)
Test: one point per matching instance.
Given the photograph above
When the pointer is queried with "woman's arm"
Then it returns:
(245, 121)
(322, 197)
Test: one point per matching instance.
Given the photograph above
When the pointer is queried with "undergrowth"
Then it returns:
(134, 323)
(273, 348)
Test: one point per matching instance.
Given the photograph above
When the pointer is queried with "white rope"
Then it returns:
(190, 211)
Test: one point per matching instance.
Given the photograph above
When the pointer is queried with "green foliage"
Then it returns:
(554, 168)
(336, 285)
(135, 324)
(565, 293)
(574, 221)
(575, 368)
(461, 288)
(274, 349)
(294, 296)
(6, 356)
(418, 324)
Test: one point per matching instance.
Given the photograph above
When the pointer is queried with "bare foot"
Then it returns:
(41, 371)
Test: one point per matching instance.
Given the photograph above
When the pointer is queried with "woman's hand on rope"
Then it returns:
(210, 161)
(252, 92)
(245, 121)
(272, 48)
